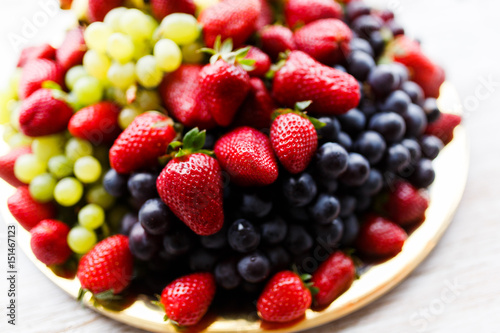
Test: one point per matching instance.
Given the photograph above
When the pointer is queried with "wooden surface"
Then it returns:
(455, 290)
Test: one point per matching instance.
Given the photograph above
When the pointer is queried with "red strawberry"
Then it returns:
(27, 211)
(302, 78)
(262, 62)
(96, 123)
(379, 237)
(49, 242)
(142, 142)
(325, 40)
(276, 39)
(44, 51)
(257, 109)
(266, 15)
(179, 91)
(43, 114)
(108, 266)
(72, 49)
(333, 277)
(285, 298)
(191, 186)
(233, 19)
(187, 299)
(305, 11)
(162, 8)
(7, 165)
(99, 8)
(406, 204)
(294, 141)
(37, 72)
(443, 127)
(246, 154)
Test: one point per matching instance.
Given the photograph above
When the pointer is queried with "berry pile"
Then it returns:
(206, 149)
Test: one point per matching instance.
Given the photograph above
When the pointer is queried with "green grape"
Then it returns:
(68, 191)
(136, 24)
(73, 75)
(88, 90)
(113, 17)
(76, 148)
(142, 48)
(122, 76)
(148, 100)
(98, 195)
(204, 4)
(117, 95)
(19, 140)
(96, 64)
(181, 28)
(116, 215)
(91, 216)
(4, 109)
(127, 116)
(168, 55)
(81, 240)
(87, 169)
(120, 47)
(96, 36)
(60, 166)
(14, 115)
(45, 147)
(14, 82)
(27, 167)
(42, 187)
(148, 73)
(8, 132)
(190, 53)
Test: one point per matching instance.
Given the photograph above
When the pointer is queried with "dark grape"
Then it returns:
(398, 157)
(352, 122)
(142, 186)
(357, 170)
(254, 267)
(274, 230)
(330, 131)
(371, 145)
(128, 221)
(298, 240)
(331, 160)
(415, 120)
(325, 209)
(115, 183)
(389, 124)
(226, 274)
(299, 190)
(142, 245)
(242, 236)
(431, 146)
(351, 230)
(360, 64)
(155, 217)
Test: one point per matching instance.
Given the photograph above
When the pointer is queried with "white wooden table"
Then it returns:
(455, 290)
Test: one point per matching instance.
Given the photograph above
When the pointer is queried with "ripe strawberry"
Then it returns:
(187, 299)
(325, 40)
(379, 237)
(96, 123)
(302, 78)
(257, 109)
(162, 8)
(142, 142)
(333, 277)
(7, 165)
(443, 127)
(99, 8)
(262, 62)
(27, 211)
(72, 49)
(276, 39)
(107, 267)
(299, 12)
(179, 91)
(49, 242)
(405, 204)
(44, 51)
(233, 19)
(36, 72)
(285, 298)
(247, 155)
(266, 15)
(191, 186)
(43, 114)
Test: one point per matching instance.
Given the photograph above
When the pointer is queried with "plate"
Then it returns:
(445, 194)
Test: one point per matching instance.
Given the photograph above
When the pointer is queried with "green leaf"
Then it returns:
(51, 85)
(227, 46)
(301, 106)
(206, 50)
(217, 43)
(305, 277)
(199, 140)
(190, 137)
(242, 53)
(316, 123)
(107, 295)
(314, 290)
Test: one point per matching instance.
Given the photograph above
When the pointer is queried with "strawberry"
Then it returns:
(142, 142)
(284, 298)
(379, 237)
(49, 242)
(107, 267)
(405, 204)
(179, 91)
(36, 72)
(187, 299)
(233, 19)
(44, 51)
(43, 114)
(7, 165)
(262, 62)
(443, 127)
(96, 123)
(333, 277)
(27, 211)
(191, 186)
(257, 109)
(162, 8)
(276, 39)
(99, 8)
(302, 78)
(325, 40)
(266, 15)
(72, 49)
(246, 154)
(299, 12)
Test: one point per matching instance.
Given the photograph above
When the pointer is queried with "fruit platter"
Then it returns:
(232, 165)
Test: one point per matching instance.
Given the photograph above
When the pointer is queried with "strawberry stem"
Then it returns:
(193, 142)
(225, 52)
(299, 110)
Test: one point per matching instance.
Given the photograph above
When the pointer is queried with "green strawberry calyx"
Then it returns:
(159, 304)
(105, 296)
(306, 280)
(299, 109)
(192, 143)
(224, 51)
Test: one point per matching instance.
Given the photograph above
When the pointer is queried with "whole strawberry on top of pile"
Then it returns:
(207, 150)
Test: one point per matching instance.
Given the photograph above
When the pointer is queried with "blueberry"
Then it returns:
(155, 217)
(414, 149)
(330, 131)
(390, 124)
(274, 230)
(325, 209)
(415, 92)
(415, 120)
(395, 27)
(142, 245)
(254, 267)
(365, 25)
(299, 190)
(423, 175)
(345, 140)
(431, 146)
(115, 183)
(142, 186)
(398, 101)
(330, 234)
(357, 172)
(202, 260)
(360, 44)
(242, 236)
(355, 9)
(331, 160)
(298, 240)
(178, 243)
(215, 241)
(127, 223)
(360, 64)
(371, 145)
(347, 205)
(351, 230)
(397, 158)
(254, 205)
(353, 122)
(279, 258)
(431, 110)
(383, 80)
(226, 274)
